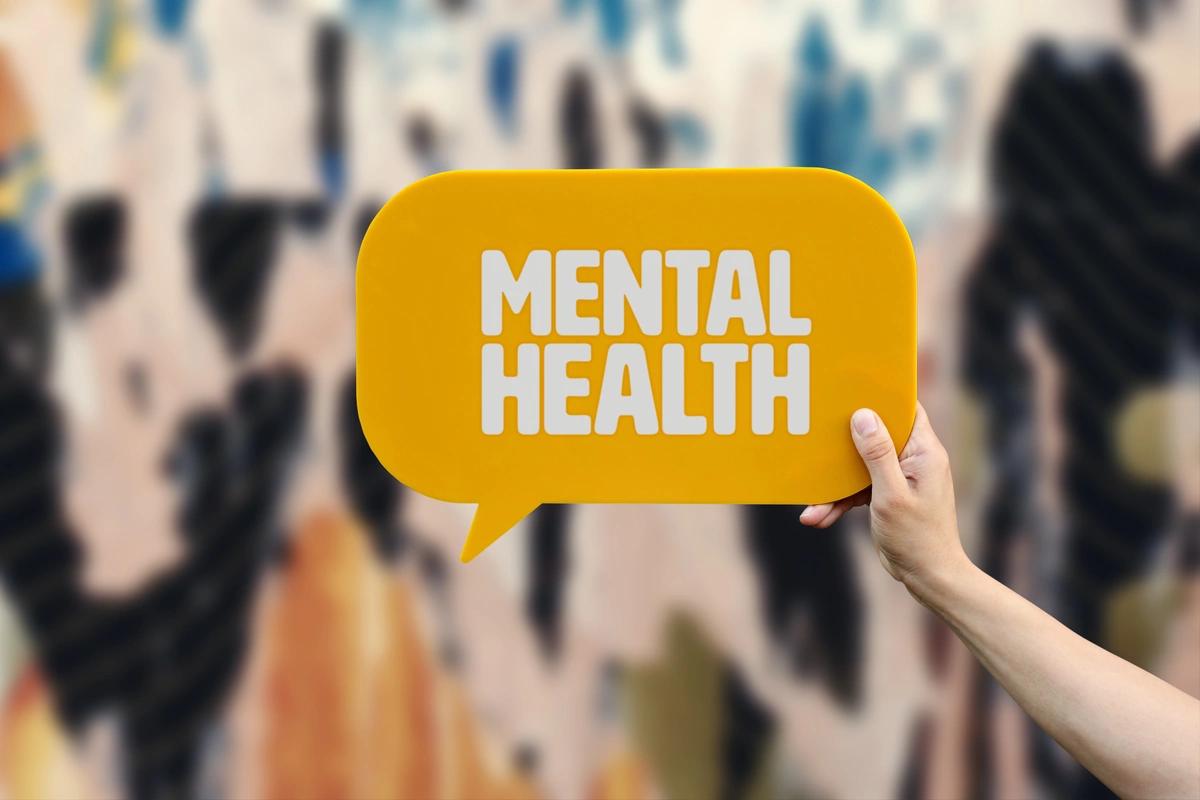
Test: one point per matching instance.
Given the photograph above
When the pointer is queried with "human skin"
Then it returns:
(1136, 733)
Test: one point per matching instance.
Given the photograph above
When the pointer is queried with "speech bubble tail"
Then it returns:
(493, 519)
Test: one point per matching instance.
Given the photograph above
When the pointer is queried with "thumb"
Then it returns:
(874, 444)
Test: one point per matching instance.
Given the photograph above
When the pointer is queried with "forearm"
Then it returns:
(1134, 732)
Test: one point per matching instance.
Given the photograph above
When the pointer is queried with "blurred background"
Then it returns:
(211, 588)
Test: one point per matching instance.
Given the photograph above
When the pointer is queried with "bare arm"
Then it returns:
(1136, 733)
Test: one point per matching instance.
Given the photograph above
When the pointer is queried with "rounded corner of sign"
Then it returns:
(367, 424)
(402, 470)
(862, 187)
(395, 206)
(836, 175)
(364, 246)
(415, 189)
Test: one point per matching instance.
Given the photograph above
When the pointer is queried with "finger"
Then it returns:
(840, 508)
(922, 439)
(918, 434)
(822, 515)
(875, 446)
(815, 513)
(835, 513)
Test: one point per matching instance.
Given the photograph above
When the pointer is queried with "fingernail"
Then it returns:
(864, 422)
(806, 514)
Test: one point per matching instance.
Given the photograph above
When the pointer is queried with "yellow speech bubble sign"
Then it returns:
(620, 336)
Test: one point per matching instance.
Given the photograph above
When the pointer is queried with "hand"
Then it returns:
(913, 521)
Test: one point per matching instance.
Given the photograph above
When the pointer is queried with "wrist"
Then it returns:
(939, 587)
